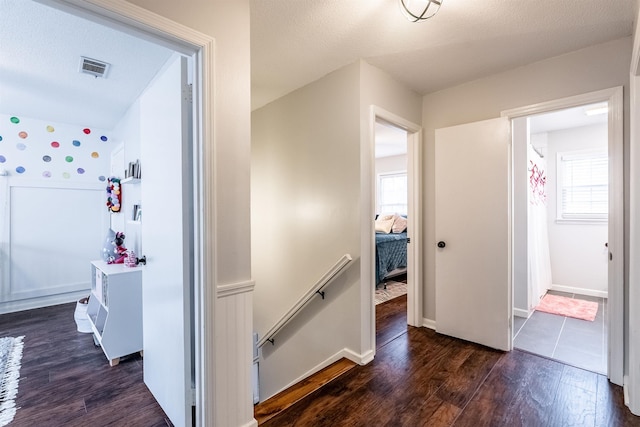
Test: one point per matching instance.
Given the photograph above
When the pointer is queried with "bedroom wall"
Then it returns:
(579, 259)
(597, 67)
(227, 362)
(52, 209)
(305, 205)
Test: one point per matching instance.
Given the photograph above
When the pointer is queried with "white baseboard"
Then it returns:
(581, 291)
(521, 313)
(344, 353)
(252, 423)
(31, 303)
(428, 323)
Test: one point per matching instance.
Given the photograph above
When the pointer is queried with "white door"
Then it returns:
(473, 292)
(166, 241)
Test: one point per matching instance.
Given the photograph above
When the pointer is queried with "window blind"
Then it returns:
(584, 183)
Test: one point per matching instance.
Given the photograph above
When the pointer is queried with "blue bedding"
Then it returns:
(391, 253)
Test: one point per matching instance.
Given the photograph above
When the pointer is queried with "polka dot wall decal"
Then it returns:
(87, 131)
(20, 146)
(50, 128)
(46, 174)
(0, 138)
(23, 134)
(3, 159)
(80, 171)
(15, 120)
(102, 178)
(104, 138)
(55, 144)
(68, 159)
(20, 169)
(46, 158)
(66, 175)
(95, 155)
(76, 143)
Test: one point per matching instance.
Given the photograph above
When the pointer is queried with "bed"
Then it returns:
(391, 254)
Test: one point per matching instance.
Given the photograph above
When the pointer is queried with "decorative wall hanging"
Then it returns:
(114, 194)
(537, 181)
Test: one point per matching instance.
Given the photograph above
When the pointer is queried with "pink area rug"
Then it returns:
(570, 307)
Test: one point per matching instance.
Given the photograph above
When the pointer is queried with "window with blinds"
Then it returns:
(392, 193)
(583, 185)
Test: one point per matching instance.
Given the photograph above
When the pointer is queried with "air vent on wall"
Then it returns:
(93, 67)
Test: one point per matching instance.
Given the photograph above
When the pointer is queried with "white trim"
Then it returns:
(231, 289)
(614, 97)
(46, 301)
(521, 313)
(581, 291)
(345, 353)
(414, 214)
(156, 28)
(428, 323)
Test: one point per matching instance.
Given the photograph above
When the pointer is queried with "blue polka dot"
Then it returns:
(102, 178)
(20, 146)
(3, 159)
(76, 143)
(20, 169)
(104, 138)
(80, 171)
(0, 138)
(46, 158)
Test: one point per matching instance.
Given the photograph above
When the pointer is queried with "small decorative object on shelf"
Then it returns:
(120, 253)
(134, 170)
(114, 194)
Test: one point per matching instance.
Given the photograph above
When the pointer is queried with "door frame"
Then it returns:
(614, 97)
(147, 25)
(414, 218)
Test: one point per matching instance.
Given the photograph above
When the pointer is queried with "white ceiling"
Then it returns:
(40, 49)
(294, 42)
(566, 119)
(390, 140)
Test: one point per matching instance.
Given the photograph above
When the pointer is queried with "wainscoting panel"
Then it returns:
(53, 234)
(234, 354)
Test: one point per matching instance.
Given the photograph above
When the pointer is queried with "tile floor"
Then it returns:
(575, 342)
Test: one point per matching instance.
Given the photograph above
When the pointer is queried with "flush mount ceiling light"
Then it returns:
(420, 10)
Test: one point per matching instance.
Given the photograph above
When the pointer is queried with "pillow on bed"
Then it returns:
(384, 223)
(399, 224)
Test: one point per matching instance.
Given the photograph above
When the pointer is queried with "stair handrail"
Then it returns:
(304, 300)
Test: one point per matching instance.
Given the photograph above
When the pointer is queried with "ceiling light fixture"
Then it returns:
(420, 10)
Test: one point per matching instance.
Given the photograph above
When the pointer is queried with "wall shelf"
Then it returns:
(130, 180)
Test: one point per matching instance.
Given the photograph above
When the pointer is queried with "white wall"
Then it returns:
(228, 359)
(579, 259)
(597, 67)
(305, 204)
(391, 164)
(52, 209)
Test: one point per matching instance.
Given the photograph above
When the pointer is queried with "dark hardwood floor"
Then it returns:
(65, 380)
(421, 378)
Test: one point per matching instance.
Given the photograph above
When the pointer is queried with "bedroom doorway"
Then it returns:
(395, 179)
(391, 202)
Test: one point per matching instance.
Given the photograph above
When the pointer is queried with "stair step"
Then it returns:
(271, 407)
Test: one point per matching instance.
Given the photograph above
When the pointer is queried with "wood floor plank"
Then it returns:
(421, 378)
(65, 380)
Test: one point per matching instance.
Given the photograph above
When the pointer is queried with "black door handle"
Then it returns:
(441, 244)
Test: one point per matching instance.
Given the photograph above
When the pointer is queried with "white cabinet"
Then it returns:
(115, 309)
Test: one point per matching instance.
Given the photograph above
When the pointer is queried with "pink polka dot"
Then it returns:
(55, 144)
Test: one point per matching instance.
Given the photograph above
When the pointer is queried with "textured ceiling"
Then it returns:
(296, 42)
(40, 49)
